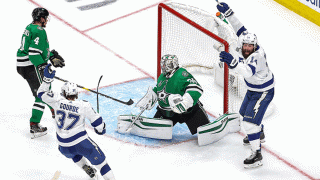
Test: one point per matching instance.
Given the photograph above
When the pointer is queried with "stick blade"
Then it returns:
(130, 102)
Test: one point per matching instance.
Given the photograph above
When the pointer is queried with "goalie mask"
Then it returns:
(69, 89)
(169, 63)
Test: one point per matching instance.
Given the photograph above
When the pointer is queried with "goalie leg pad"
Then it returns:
(146, 127)
(214, 131)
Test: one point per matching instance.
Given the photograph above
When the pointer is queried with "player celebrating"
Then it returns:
(32, 57)
(252, 64)
(73, 139)
(177, 93)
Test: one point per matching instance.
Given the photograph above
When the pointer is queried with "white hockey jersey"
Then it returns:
(70, 116)
(257, 75)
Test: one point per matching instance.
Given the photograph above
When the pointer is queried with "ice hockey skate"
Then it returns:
(254, 160)
(90, 171)
(37, 130)
(262, 138)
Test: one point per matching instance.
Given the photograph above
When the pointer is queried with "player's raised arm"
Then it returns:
(234, 21)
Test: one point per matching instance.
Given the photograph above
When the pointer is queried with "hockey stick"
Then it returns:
(98, 94)
(126, 103)
(130, 126)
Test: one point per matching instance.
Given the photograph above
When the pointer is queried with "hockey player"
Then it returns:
(177, 93)
(73, 139)
(251, 62)
(32, 57)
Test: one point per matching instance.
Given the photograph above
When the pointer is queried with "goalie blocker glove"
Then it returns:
(56, 59)
(224, 9)
(180, 104)
(229, 59)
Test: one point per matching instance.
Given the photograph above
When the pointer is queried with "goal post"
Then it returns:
(191, 34)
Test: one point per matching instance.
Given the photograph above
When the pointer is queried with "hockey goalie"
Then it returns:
(177, 93)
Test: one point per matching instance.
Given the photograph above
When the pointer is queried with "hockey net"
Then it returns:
(195, 36)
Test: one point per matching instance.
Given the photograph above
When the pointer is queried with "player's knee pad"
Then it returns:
(251, 128)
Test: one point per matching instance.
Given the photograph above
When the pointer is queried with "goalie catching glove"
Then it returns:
(147, 101)
(180, 104)
(56, 59)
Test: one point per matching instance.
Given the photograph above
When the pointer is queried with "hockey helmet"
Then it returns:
(69, 89)
(169, 63)
(38, 13)
(249, 38)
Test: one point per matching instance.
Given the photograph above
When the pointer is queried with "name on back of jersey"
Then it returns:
(69, 107)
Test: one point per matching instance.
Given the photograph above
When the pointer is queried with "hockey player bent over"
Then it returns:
(32, 57)
(252, 64)
(73, 139)
(177, 93)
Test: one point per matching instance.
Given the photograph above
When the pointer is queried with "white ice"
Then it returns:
(125, 49)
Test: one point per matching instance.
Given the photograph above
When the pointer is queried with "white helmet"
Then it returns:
(169, 63)
(69, 89)
(249, 38)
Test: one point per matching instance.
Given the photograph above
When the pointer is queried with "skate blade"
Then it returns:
(36, 135)
(254, 165)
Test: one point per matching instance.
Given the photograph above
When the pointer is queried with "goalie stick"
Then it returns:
(130, 102)
(130, 126)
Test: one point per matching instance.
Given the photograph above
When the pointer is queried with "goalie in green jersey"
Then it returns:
(32, 58)
(177, 93)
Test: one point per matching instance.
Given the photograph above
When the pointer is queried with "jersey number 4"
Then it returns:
(63, 116)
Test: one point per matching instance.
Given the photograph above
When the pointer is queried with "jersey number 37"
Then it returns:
(62, 120)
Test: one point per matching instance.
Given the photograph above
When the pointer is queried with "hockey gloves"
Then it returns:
(224, 9)
(180, 104)
(56, 59)
(101, 132)
(148, 101)
(48, 74)
(40, 68)
(229, 59)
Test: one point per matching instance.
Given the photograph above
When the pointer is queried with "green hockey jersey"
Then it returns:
(180, 82)
(34, 49)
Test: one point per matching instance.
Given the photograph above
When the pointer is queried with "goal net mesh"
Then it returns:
(198, 53)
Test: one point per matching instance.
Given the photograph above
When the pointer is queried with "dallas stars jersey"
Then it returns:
(180, 82)
(34, 49)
